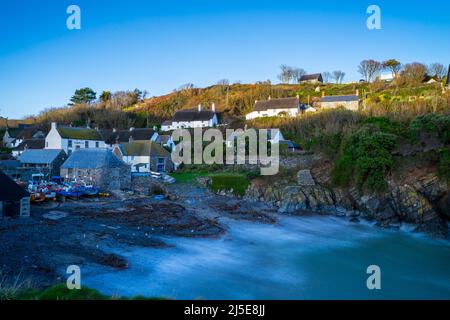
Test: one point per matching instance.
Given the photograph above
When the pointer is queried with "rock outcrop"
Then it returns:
(422, 201)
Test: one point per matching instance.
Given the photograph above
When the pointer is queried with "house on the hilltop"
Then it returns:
(14, 200)
(144, 156)
(275, 107)
(311, 78)
(100, 167)
(44, 161)
(133, 134)
(28, 144)
(194, 118)
(350, 102)
(70, 139)
(13, 137)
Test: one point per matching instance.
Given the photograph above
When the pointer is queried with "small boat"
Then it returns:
(37, 197)
(90, 191)
(71, 192)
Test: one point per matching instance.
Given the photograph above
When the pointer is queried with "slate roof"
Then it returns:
(39, 156)
(10, 191)
(309, 77)
(143, 148)
(139, 134)
(31, 144)
(193, 115)
(167, 123)
(79, 133)
(92, 159)
(284, 103)
(28, 133)
(347, 98)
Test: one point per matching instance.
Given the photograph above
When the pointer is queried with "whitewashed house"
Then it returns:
(70, 139)
(13, 137)
(195, 118)
(273, 136)
(311, 78)
(275, 107)
(144, 156)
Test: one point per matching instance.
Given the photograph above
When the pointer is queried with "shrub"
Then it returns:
(444, 165)
(365, 156)
(432, 123)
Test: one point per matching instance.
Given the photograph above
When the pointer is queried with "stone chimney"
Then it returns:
(54, 125)
(270, 98)
(213, 107)
(323, 94)
(357, 92)
(199, 107)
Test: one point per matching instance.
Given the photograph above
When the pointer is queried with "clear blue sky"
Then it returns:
(160, 45)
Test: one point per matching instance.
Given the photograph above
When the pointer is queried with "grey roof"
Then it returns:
(39, 156)
(309, 77)
(284, 103)
(193, 115)
(348, 98)
(92, 159)
(30, 144)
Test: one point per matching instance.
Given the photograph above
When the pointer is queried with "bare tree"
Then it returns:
(297, 74)
(286, 74)
(338, 76)
(326, 76)
(413, 73)
(436, 69)
(369, 69)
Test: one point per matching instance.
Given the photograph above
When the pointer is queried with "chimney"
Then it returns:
(213, 107)
(357, 92)
(298, 97)
(114, 130)
(131, 128)
(199, 107)
(270, 98)
(54, 125)
(323, 94)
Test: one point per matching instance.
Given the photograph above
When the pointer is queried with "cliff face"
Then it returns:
(418, 197)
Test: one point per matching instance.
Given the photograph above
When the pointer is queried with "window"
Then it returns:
(97, 144)
(69, 143)
(86, 144)
(161, 167)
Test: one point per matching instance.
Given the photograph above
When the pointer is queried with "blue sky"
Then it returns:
(160, 45)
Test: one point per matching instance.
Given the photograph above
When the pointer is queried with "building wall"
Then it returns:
(168, 164)
(350, 105)
(292, 112)
(106, 178)
(135, 160)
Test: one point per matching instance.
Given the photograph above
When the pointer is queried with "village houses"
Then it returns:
(45, 161)
(70, 139)
(144, 156)
(14, 200)
(13, 137)
(349, 102)
(311, 78)
(195, 118)
(99, 167)
(275, 107)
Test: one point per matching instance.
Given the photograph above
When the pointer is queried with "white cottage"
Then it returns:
(196, 118)
(275, 107)
(70, 139)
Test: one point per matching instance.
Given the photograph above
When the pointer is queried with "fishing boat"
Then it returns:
(90, 191)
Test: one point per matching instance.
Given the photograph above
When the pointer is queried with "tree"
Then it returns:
(392, 65)
(338, 76)
(297, 73)
(83, 95)
(326, 76)
(413, 73)
(436, 69)
(105, 96)
(286, 74)
(369, 69)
